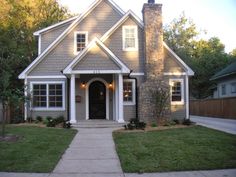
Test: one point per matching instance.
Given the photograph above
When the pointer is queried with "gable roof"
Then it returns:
(37, 33)
(96, 41)
(65, 33)
(179, 60)
(227, 71)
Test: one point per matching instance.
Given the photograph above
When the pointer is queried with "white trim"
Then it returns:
(87, 96)
(189, 70)
(36, 33)
(47, 108)
(75, 40)
(39, 44)
(182, 91)
(46, 77)
(135, 48)
(137, 74)
(121, 106)
(133, 102)
(72, 100)
(25, 94)
(117, 97)
(96, 41)
(175, 74)
(117, 8)
(187, 96)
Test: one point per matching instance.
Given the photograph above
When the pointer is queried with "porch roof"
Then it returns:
(115, 64)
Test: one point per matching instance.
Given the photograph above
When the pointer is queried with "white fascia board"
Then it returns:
(98, 72)
(36, 33)
(46, 77)
(59, 39)
(189, 70)
(119, 23)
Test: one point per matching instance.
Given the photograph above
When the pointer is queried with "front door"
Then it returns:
(97, 100)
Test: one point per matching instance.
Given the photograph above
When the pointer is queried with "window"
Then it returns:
(129, 92)
(48, 96)
(130, 38)
(81, 40)
(176, 91)
(223, 89)
(233, 87)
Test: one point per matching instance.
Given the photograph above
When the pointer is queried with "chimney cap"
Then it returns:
(151, 1)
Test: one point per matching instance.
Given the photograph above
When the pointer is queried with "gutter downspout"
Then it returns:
(136, 93)
(68, 97)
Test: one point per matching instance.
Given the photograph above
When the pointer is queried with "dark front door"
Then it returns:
(97, 100)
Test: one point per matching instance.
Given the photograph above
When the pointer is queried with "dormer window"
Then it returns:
(130, 38)
(80, 41)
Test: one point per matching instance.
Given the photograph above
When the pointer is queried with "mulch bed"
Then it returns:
(10, 138)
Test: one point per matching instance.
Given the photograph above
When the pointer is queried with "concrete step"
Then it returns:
(98, 124)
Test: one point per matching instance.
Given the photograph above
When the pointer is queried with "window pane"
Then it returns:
(39, 95)
(233, 87)
(127, 91)
(81, 42)
(176, 91)
(55, 95)
(129, 38)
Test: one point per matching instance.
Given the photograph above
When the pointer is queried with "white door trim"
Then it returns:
(87, 96)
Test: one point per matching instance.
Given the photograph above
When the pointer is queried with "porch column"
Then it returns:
(72, 99)
(120, 106)
(187, 96)
(26, 99)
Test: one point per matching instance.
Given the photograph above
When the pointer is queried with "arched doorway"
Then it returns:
(97, 100)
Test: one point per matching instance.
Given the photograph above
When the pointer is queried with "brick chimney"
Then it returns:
(154, 63)
(153, 35)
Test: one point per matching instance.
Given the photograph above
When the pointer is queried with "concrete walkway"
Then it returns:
(92, 154)
(225, 125)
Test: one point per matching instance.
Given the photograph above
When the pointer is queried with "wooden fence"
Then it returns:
(222, 108)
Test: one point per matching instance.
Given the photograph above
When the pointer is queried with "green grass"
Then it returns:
(193, 148)
(38, 151)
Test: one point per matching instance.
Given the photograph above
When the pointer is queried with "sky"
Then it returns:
(216, 17)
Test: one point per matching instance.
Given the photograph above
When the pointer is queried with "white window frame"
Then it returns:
(75, 40)
(182, 91)
(225, 89)
(133, 102)
(47, 108)
(135, 48)
(233, 84)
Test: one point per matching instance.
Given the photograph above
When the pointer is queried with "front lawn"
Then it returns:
(193, 148)
(38, 150)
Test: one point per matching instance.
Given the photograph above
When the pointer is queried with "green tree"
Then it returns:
(205, 57)
(18, 47)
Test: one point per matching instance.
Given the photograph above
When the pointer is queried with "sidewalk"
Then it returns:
(225, 125)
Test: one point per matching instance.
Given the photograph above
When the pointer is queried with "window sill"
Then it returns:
(129, 103)
(130, 50)
(177, 103)
(48, 109)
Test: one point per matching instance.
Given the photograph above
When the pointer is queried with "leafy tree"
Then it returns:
(205, 57)
(18, 47)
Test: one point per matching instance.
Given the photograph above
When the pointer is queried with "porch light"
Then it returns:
(110, 85)
(83, 85)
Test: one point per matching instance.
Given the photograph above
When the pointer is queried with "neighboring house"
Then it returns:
(226, 82)
(92, 66)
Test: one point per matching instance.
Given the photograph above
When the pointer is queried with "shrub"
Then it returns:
(135, 124)
(50, 122)
(59, 120)
(67, 124)
(170, 123)
(39, 118)
(188, 122)
(154, 125)
(176, 121)
(29, 119)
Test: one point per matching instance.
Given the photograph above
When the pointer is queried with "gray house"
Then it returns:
(98, 64)
(226, 82)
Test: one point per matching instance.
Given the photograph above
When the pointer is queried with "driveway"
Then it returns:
(225, 125)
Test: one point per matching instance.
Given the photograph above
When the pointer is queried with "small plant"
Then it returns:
(39, 118)
(59, 120)
(176, 121)
(67, 125)
(135, 124)
(50, 122)
(154, 125)
(170, 123)
(29, 119)
(187, 122)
